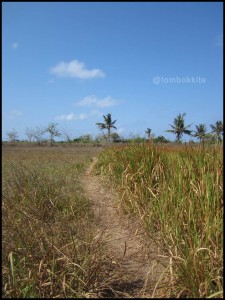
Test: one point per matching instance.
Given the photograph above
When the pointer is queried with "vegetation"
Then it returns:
(108, 124)
(30, 134)
(148, 132)
(200, 132)
(12, 135)
(53, 132)
(38, 133)
(87, 138)
(161, 139)
(217, 130)
(179, 128)
(49, 246)
(177, 192)
(115, 137)
(67, 134)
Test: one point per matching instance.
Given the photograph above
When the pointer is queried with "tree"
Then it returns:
(100, 138)
(217, 130)
(51, 129)
(178, 128)
(12, 135)
(161, 139)
(148, 132)
(115, 137)
(29, 133)
(38, 134)
(86, 138)
(136, 138)
(210, 138)
(67, 134)
(200, 132)
(107, 125)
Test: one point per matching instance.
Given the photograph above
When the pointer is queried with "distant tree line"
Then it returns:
(178, 128)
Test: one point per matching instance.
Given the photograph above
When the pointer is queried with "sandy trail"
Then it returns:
(125, 238)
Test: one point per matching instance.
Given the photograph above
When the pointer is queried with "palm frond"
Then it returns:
(187, 131)
(173, 131)
(112, 123)
(101, 125)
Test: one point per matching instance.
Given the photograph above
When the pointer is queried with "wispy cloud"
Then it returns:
(219, 40)
(78, 117)
(15, 45)
(94, 101)
(96, 112)
(14, 113)
(75, 69)
(71, 117)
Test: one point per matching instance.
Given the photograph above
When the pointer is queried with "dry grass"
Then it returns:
(178, 193)
(50, 247)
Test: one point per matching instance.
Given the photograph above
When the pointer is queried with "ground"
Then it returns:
(133, 256)
(127, 241)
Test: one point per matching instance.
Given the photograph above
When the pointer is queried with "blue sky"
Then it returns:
(71, 63)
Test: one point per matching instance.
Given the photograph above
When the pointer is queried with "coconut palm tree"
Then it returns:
(217, 130)
(107, 125)
(200, 132)
(178, 128)
(148, 132)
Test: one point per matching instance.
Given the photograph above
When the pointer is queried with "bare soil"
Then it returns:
(131, 249)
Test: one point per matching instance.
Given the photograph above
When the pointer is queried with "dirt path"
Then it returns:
(125, 239)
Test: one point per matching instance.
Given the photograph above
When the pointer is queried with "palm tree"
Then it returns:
(148, 132)
(200, 132)
(217, 129)
(107, 125)
(178, 128)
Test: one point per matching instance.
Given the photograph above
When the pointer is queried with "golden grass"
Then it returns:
(178, 193)
(50, 248)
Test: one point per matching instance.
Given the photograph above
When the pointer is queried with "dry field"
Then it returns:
(125, 221)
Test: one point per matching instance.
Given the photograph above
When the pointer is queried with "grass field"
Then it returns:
(178, 194)
(49, 247)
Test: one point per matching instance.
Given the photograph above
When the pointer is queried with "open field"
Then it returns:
(51, 247)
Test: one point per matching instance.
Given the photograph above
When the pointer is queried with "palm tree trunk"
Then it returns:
(108, 134)
(217, 140)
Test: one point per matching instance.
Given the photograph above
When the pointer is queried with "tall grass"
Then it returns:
(178, 193)
(49, 246)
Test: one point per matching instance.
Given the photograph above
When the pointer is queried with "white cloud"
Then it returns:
(219, 40)
(94, 101)
(14, 113)
(15, 45)
(76, 69)
(71, 117)
(96, 112)
(82, 116)
(79, 117)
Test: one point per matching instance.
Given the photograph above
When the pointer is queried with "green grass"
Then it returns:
(178, 193)
(50, 248)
